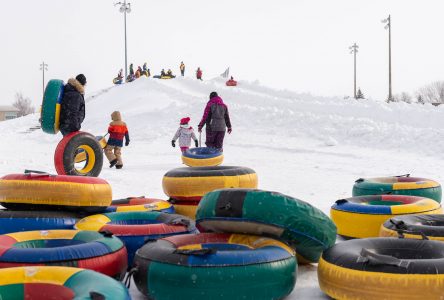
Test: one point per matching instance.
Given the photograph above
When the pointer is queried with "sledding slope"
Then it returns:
(309, 147)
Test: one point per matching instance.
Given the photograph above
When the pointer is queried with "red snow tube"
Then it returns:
(70, 146)
(231, 82)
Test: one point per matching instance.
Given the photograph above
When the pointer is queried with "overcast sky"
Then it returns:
(300, 45)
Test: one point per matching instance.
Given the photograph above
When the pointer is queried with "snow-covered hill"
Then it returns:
(308, 147)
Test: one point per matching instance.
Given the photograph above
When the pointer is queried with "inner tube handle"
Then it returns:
(399, 224)
(96, 296)
(405, 175)
(180, 221)
(359, 180)
(371, 258)
(401, 233)
(40, 173)
(205, 251)
(341, 201)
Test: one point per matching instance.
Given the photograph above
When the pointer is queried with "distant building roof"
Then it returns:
(8, 108)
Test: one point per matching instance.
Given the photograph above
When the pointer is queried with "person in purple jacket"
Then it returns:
(217, 120)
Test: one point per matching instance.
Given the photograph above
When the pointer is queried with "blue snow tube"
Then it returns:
(202, 157)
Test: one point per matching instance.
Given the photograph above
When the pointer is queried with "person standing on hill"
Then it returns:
(117, 131)
(199, 74)
(72, 110)
(182, 69)
(217, 120)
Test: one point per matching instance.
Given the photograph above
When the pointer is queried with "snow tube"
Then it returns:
(42, 191)
(62, 283)
(398, 185)
(383, 268)
(135, 228)
(140, 204)
(231, 82)
(215, 266)
(118, 80)
(415, 227)
(92, 250)
(202, 157)
(186, 186)
(52, 99)
(350, 214)
(299, 224)
(15, 221)
(75, 142)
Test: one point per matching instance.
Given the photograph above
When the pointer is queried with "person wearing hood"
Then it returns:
(72, 109)
(217, 120)
(117, 131)
(182, 69)
(185, 133)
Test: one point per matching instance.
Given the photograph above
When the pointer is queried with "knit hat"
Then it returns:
(81, 78)
(184, 121)
(213, 94)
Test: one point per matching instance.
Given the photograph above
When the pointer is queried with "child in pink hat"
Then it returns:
(185, 133)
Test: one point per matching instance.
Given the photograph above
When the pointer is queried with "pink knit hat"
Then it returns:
(184, 121)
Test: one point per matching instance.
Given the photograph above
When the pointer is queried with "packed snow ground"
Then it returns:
(308, 147)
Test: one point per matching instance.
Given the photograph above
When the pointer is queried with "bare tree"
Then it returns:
(432, 93)
(23, 105)
(403, 97)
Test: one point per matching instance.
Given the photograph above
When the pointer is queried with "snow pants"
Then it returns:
(215, 139)
(114, 152)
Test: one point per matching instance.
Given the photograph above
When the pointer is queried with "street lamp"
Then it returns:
(388, 26)
(43, 67)
(354, 50)
(125, 8)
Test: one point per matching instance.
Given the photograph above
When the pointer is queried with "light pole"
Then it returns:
(43, 67)
(354, 50)
(389, 27)
(125, 8)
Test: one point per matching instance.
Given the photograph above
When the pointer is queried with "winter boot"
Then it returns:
(119, 166)
(113, 163)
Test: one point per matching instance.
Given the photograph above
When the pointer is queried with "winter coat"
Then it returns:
(72, 110)
(117, 130)
(199, 73)
(182, 67)
(215, 116)
(185, 133)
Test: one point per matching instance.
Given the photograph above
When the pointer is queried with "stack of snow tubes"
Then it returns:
(248, 243)
(406, 213)
(187, 186)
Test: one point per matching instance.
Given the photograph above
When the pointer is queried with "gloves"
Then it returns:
(229, 130)
(196, 143)
(127, 143)
(173, 143)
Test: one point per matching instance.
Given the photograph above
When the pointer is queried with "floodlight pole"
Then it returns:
(354, 50)
(389, 27)
(125, 8)
(43, 67)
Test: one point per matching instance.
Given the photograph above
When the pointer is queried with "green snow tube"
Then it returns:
(398, 185)
(258, 212)
(215, 266)
(52, 99)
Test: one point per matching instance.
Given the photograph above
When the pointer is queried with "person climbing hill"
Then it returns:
(117, 131)
(217, 120)
(72, 110)
(182, 69)
(199, 74)
(185, 133)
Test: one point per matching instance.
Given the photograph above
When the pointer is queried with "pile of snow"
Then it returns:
(312, 148)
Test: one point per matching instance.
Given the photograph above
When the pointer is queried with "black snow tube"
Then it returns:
(383, 268)
(415, 226)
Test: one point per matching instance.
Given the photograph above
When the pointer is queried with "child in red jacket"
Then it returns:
(117, 131)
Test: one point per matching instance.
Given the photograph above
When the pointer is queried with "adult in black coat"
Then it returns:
(72, 111)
